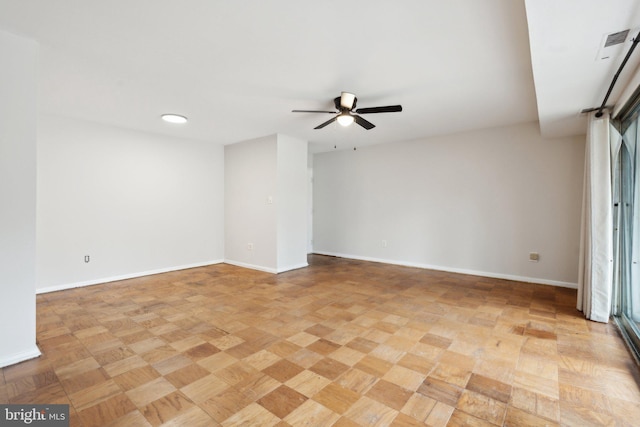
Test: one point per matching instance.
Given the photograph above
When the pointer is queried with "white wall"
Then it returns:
(266, 203)
(18, 121)
(292, 203)
(250, 180)
(136, 203)
(474, 202)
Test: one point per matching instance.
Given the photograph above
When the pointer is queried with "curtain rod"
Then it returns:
(615, 79)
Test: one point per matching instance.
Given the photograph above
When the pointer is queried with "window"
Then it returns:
(626, 193)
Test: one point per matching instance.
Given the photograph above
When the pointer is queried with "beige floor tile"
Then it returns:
(517, 418)
(136, 377)
(147, 393)
(305, 358)
(225, 404)
(252, 415)
(226, 342)
(216, 361)
(166, 408)
(94, 394)
(193, 417)
(205, 388)
(347, 355)
(73, 369)
(236, 373)
(134, 418)
(482, 407)
(171, 364)
(303, 339)
(537, 384)
(419, 407)
(357, 380)
(311, 413)
(535, 365)
(369, 412)
(308, 383)
(262, 359)
(389, 394)
(257, 386)
(388, 353)
(405, 378)
(106, 411)
(336, 398)
(187, 375)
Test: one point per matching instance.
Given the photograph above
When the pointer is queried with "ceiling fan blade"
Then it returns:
(364, 123)
(346, 100)
(313, 111)
(387, 109)
(326, 123)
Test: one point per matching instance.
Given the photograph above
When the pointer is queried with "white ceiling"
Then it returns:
(569, 75)
(238, 68)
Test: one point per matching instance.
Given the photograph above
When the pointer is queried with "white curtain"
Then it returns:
(595, 279)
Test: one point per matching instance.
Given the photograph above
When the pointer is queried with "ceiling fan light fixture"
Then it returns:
(347, 100)
(174, 118)
(345, 119)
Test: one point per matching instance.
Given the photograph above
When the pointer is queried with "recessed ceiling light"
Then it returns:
(174, 118)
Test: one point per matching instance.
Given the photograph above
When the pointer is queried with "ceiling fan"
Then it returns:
(347, 114)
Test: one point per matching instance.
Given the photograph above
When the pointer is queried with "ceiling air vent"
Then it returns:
(615, 44)
(616, 38)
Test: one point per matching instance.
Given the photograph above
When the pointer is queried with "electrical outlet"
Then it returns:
(534, 256)
(87, 258)
(384, 243)
(249, 246)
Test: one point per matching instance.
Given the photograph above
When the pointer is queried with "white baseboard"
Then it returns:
(265, 269)
(123, 277)
(20, 357)
(292, 267)
(251, 266)
(457, 270)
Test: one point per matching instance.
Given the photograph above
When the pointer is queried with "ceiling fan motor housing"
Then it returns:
(339, 107)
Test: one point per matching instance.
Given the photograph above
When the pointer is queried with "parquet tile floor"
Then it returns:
(342, 343)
